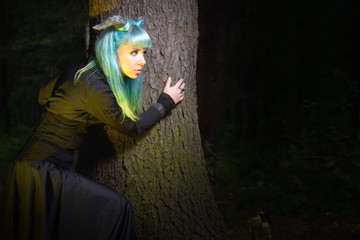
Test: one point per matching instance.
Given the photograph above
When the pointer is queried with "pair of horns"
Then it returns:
(116, 21)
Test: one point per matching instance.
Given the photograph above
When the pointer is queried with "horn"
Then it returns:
(116, 21)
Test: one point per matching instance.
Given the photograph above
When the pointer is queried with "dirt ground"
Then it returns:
(316, 227)
(325, 226)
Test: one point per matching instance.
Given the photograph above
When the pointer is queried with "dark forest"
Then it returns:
(279, 104)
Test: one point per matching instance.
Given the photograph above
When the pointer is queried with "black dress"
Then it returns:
(43, 198)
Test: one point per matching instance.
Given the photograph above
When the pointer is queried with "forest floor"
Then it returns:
(319, 227)
(311, 227)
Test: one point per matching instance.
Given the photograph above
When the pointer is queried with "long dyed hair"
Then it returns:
(127, 91)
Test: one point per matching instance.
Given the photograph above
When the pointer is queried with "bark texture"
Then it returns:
(163, 173)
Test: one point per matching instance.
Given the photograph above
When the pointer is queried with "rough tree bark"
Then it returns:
(163, 173)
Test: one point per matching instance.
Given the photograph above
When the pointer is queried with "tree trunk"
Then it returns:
(354, 71)
(163, 173)
(4, 82)
(213, 68)
(252, 79)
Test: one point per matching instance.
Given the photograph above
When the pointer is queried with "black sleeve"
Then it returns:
(148, 118)
(102, 104)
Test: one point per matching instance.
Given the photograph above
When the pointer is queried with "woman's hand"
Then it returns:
(176, 92)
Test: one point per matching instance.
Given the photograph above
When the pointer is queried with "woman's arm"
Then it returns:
(101, 103)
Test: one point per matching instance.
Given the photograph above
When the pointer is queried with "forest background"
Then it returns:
(278, 96)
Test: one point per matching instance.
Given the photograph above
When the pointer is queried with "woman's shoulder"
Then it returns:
(94, 81)
(92, 75)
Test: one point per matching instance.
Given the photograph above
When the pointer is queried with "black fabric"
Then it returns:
(166, 101)
(147, 119)
(43, 197)
(48, 202)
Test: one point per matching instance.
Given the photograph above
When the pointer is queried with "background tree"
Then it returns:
(5, 18)
(163, 173)
(214, 54)
(40, 39)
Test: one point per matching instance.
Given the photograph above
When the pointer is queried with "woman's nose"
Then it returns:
(142, 61)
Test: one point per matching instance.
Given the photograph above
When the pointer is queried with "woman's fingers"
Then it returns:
(179, 83)
(168, 83)
(176, 92)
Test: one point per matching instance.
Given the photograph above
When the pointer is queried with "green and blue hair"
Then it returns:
(127, 91)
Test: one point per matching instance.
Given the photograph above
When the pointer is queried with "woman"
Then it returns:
(43, 197)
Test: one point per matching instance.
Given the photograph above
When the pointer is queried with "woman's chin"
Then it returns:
(133, 76)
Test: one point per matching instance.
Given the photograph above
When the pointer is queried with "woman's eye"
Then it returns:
(138, 51)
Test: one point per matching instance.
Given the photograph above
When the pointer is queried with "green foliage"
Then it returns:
(313, 169)
(47, 36)
(10, 145)
(44, 38)
(316, 171)
(27, 109)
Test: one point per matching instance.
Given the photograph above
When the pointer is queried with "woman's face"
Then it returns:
(131, 60)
